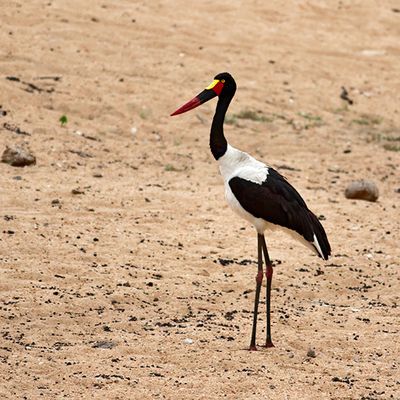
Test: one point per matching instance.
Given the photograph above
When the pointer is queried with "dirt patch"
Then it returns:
(123, 272)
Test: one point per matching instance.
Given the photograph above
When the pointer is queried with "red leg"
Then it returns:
(268, 274)
(259, 279)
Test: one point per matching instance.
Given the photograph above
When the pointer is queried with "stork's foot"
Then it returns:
(253, 348)
(269, 343)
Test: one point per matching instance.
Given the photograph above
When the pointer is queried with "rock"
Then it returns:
(104, 344)
(363, 190)
(311, 353)
(17, 157)
(77, 191)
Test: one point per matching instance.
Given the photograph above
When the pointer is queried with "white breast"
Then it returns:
(237, 163)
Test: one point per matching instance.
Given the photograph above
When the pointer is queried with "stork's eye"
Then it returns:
(222, 80)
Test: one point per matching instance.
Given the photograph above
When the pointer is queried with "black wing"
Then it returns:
(278, 202)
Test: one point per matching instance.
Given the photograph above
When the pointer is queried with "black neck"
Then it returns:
(218, 143)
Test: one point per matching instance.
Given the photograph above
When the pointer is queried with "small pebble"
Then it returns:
(188, 341)
(311, 353)
(77, 191)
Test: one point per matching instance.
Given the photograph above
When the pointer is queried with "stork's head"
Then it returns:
(223, 85)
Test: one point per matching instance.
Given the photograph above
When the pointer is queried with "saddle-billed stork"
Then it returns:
(258, 193)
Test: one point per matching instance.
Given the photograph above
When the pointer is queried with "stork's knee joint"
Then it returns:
(269, 271)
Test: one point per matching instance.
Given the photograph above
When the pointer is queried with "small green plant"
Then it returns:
(145, 113)
(310, 117)
(63, 120)
(230, 119)
(392, 143)
(386, 139)
(170, 167)
(313, 120)
(341, 110)
(177, 142)
(361, 121)
(392, 138)
(253, 116)
(391, 147)
(367, 119)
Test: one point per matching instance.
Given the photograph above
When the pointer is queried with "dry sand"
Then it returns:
(140, 285)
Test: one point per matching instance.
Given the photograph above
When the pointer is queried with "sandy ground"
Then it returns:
(124, 275)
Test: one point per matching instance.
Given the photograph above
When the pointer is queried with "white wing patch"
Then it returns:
(317, 246)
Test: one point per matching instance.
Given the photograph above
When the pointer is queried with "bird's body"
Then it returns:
(258, 193)
(265, 207)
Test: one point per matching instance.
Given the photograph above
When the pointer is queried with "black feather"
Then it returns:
(277, 201)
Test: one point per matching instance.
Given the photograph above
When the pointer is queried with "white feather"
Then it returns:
(238, 163)
(317, 246)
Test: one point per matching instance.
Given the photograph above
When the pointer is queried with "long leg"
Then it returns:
(259, 279)
(268, 273)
